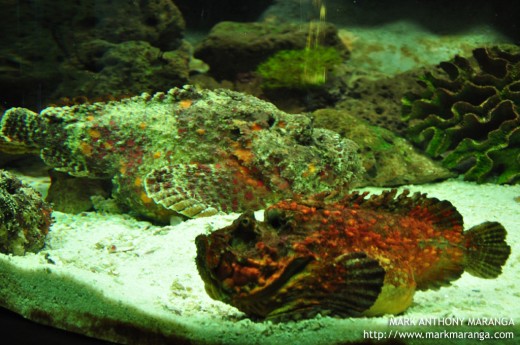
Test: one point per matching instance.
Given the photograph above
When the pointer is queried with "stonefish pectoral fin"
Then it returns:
(198, 190)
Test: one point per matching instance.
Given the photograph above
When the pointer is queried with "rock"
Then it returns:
(377, 98)
(124, 68)
(205, 14)
(11, 153)
(388, 159)
(228, 53)
(70, 194)
(24, 217)
(66, 30)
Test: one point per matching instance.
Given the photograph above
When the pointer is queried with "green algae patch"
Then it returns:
(298, 68)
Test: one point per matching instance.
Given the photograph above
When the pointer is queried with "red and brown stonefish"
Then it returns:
(356, 257)
(189, 151)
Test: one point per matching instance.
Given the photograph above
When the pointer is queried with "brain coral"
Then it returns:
(468, 114)
(24, 217)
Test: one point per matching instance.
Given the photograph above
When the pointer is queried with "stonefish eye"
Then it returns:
(244, 227)
(245, 223)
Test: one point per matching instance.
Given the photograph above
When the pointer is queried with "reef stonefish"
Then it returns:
(188, 151)
(354, 257)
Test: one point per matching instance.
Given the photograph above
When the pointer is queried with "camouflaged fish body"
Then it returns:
(353, 257)
(188, 151)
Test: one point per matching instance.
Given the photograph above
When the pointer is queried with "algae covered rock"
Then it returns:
(187, 151)
(388, 159)
(52, 49)
(229, 53)
(24, 217)
(468, 114)
(124, 68)
(376, 98)
(298, 68)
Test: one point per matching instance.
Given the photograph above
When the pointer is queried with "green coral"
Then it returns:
(299, 68)
(468, 114)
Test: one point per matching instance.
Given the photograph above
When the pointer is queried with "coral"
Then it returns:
(298, 68)
(469, 115)
(188, 151)
(24, 217)
(388, 160)
(354, 256)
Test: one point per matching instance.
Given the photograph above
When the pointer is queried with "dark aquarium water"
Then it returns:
(259, 172)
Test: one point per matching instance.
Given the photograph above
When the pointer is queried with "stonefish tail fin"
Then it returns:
(19, 127)
(486, 250)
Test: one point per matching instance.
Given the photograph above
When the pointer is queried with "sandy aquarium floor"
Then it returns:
(401, 46)
(152, 269)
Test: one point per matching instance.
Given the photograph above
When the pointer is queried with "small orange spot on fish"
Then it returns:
(145, 198)
(86, 149)
(185, 103)
(94, 133)
(244, 155)
(256, 127)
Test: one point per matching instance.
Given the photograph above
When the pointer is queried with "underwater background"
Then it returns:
(367, 95)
